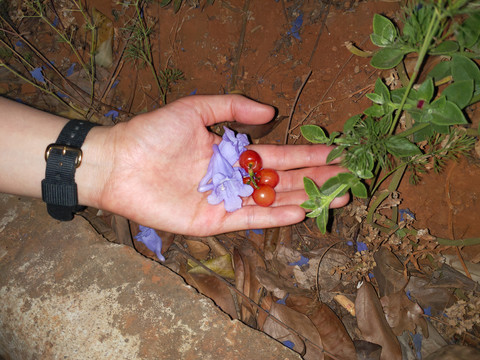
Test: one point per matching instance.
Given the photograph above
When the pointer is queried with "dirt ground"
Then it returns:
(287, 53)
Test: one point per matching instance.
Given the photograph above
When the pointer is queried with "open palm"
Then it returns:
(160, 157)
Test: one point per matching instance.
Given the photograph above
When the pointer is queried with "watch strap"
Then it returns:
(59, 190)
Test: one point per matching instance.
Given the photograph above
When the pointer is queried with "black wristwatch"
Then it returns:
(59, 190)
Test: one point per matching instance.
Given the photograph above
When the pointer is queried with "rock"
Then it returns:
(68, 293)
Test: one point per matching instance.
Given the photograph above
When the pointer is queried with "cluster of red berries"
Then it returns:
(262, 180)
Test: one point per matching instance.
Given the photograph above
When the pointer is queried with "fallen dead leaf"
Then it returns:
(214, 288)
(402, 314)
(373, 325)
(311, 349)
(221, 265)
(388, 272)
(197, 249)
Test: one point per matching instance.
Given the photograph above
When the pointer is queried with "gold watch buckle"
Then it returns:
(64, 149)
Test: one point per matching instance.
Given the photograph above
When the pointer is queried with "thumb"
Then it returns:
(217, 108)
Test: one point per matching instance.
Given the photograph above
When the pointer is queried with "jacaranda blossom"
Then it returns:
(232, 146)
(151, 239)
(224, 180)
(37, 74)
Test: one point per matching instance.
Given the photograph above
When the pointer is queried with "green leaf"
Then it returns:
(335, 183)
(359, 190)
(335, 153)
(322, 221)
(441, 71)
(387, 58)
(382, 90)
(311, 188)
(465, 69)
(468, 32)
(309, 204)
(374, 111)
(384, 29)
(165, 2)
(425, 91)
(176, 5)
(314, 134)
(443, 112)
(331, 140)
(459, 92)
(378, 99)
(401, 146)
(447, 47)
(350, 123)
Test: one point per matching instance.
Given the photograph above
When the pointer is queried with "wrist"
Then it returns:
(97, 163)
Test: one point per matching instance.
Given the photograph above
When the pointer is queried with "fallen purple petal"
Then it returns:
(361, 246)
(152, 241)
(71, 69)
(111, 113)
(37, 74)
(303, 261)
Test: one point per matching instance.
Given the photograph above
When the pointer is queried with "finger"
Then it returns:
(286, 157)
(293, 179)
(257, 217)
(217, 108)
(297, 197)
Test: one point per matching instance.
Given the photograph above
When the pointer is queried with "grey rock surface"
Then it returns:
(66, 293)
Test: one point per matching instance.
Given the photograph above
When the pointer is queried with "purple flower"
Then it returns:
(151, 239)
(231, 146)
(37, 74)
(225, 182)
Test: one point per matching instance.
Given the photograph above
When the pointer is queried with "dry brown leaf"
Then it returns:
(402, 314)
(278, 286)
(214, 288)
(221, 265)
(328, 276)
(438, 298)
(311, 349)
(242, 272)
(388, 272)
(253, 261)
(217, 248)
(197, 249)
(333, 334)
(104, 44)
(372, 323)
(367, 350)
(455, 352)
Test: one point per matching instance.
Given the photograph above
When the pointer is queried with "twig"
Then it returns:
(241, 40)
(294, 105)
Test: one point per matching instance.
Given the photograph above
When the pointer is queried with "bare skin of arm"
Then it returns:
(148, 169)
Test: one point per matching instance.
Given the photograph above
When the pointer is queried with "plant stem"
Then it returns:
(432, 28)
(45, 90)
(147, 49)
(64, 38)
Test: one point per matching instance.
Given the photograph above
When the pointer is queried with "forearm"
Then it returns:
(24, 135)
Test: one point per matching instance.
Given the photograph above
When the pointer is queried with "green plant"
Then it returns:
(371, 143)
(140, 49)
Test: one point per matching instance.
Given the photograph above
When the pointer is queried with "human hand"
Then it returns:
(159, 158)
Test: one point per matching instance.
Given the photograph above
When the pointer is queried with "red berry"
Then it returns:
(250, 160)
(264, 195)
(267, 177)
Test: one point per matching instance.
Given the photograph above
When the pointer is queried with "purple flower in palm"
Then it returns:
(151, 239)
(225, 182)
(231, 146)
